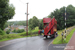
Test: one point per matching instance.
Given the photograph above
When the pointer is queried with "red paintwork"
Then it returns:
(39, 32)
(49, 25)
(46, 20)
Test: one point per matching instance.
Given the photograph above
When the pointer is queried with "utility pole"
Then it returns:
(65, 23)
(27, 21)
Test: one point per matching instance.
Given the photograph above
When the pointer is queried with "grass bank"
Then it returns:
(19, 35)
(58, 40)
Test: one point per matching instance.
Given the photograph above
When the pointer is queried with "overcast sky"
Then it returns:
(38, 8)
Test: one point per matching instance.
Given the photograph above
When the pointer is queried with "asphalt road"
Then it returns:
(30, 43)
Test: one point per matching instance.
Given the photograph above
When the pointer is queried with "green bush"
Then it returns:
(5, 36)
(8, 31)
(1, 37)
(14, 30)
(30, 32)
(20, 30)
(2, 32)
(12, 36)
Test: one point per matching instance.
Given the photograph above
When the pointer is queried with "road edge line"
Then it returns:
(49, 44)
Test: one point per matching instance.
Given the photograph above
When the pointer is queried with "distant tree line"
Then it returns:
(32, 23)
(9, 23)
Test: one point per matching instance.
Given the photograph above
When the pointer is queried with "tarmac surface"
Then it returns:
(30, 43)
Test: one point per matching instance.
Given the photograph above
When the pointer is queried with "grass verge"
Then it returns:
(20, 35)
(58, 40)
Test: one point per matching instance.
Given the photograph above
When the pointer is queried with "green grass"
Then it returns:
(58, 40)
(35, 30)
(15, 36)
(70, 35)
(9, 37)
(29, 32)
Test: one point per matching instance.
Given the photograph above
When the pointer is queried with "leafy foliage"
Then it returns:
(14, 30)
(18, 31)
(33, 22)
(59, 15)
(7, 11)
(15, 23)
(2, 32)
(41, 24)
(8, 31)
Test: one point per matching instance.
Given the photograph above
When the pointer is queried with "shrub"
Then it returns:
(30, 32)
(18, 31)
(8, 31)
(12, 36)
(1, 37)
(5, 36)
(36, 28)
(14, 30)
(2, 32)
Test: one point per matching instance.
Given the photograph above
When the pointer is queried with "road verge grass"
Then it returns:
(19, 35)
(58, 40)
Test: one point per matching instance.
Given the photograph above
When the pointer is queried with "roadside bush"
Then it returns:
(2, 32)
(12, 36)
(30, 32)
(1, 37)
(8, 31)
(18, 31)
(21, 30)
(22, 34)
(8, 36)
(5, 36)
(36, 28)
(14, 30)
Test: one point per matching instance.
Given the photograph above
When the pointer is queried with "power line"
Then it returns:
(22, 2)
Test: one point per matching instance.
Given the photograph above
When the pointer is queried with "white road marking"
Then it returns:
(49, 44)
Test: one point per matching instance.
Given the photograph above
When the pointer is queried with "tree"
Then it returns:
(8, 31)
(15, 23)
(59, 15)
(41, 24)
(6, 25)
(7, 11)
(30, 24)
(33, 22)
(2, 32)
(14, 30)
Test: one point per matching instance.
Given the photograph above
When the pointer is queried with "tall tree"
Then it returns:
(59, 15)
(33, 22)
(41, 24)
(7, 11)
